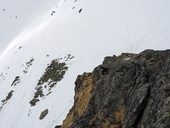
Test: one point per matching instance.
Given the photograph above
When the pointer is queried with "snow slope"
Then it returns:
(88, 30)
(18, 15)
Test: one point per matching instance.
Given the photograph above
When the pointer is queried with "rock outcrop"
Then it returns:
(126, 91)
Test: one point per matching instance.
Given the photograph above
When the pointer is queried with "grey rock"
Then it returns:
(130, 91)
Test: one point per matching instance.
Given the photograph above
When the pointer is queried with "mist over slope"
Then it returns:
(18, 15)
(39, 67)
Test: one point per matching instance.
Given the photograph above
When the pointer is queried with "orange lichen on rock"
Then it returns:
(111, 126)
(82, 97)
(120, 114)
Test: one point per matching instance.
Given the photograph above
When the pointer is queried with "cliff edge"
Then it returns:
(126, 91)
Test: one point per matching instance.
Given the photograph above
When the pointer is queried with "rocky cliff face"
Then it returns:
(126, 91)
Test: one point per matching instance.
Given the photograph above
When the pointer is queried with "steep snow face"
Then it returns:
(18, 15)
(73, 38)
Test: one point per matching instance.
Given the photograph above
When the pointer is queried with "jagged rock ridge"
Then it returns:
(126, 91)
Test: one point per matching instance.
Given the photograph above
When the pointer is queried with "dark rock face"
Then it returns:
(128, 91)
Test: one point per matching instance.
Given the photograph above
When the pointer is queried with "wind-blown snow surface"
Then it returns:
(86, 29)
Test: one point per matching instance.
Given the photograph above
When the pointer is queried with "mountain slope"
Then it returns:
(73, 38)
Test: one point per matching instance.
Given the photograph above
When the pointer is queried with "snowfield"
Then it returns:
(89, 30)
